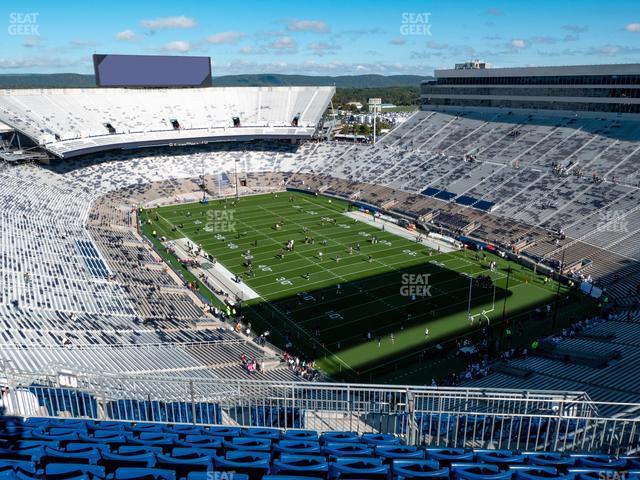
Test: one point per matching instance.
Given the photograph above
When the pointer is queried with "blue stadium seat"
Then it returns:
(109, 437)
(18, 465)
(183, 430)
(528, 472)
(309, 435)
(37, 422)
(80, 446)
(309, 465)
(297, 447)
(155, 438)
(359, 467)
(133, 410)
(479, 471)
(348, 450)
(61, 400)
(18, 432)
(406, 469)
(340, 437)
(399, 451)
(84, 456)
(26, 444)
(380, 439)
(145, 427)
(208, 413)
(600, 461)
(201, 441)
(254, 464)
(270, 433)
(60, 436)
(137, 449)
(277, 417)
(499, 457)
(29, 454)
(185, 460)
(108, 425)
(126, 473)
(552, 459)
(141, 457)
(448, 455)
(8, 474)
(61, 471)
(226, 432)
(73, 423)
(248, 443)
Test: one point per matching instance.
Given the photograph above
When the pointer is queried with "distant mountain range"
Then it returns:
(74, 80)
(344, 81)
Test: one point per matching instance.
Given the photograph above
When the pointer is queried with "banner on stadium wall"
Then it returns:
(364, 206)
(590, 289)
(476, 244)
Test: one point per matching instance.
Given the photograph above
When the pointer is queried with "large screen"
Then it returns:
(151, 71)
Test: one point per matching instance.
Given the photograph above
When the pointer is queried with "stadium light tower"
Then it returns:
(375, 106)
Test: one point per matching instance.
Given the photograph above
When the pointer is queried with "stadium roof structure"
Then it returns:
(72, 122)
(555, 71)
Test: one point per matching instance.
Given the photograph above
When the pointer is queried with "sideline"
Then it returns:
(401, 232)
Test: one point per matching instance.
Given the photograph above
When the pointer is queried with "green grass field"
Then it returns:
(299, 296)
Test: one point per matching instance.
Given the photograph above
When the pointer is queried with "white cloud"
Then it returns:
(41, 62)
(575, 28)
(31, 42)
(127, 36)
(436, 46)
(177, 46)
(633, 27)
(284, 43)
(608, 50)
(247, 50)
(518, 43)
(165, 23)
(494, 12)
(312, 67)
(308, 26)
(322, 48)
(225, 38)
(83, 43)
(397, 41)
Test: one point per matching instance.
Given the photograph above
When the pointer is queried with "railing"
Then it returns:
(451, 417)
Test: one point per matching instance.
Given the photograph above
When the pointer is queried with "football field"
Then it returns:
(347, 294)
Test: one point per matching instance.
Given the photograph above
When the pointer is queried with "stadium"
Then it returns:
(204, 281)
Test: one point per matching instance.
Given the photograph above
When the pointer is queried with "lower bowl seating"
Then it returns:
(57, 449)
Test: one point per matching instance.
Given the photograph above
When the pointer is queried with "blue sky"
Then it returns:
(320, 37)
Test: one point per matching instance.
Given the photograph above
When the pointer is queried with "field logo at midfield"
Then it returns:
(415, 285)
(221, 221)
(612, 221)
